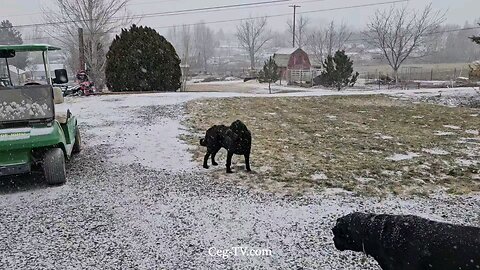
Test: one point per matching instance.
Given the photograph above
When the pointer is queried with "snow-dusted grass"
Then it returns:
(395, 145)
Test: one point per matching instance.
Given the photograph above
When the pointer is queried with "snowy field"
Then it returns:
(134, 199)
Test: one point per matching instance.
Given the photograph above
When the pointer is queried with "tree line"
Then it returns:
(397, 35)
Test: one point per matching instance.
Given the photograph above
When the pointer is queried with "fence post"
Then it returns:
(431, 75)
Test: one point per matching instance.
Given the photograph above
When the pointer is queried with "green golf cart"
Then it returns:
(36, 131)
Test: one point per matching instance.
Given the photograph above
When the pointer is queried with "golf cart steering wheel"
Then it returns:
(32, 83)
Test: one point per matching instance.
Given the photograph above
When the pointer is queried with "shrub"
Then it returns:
(337, 72)
(269, 74)
(140, 59)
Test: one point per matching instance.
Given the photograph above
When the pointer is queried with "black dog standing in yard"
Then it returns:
(237, 139)
(409, 242)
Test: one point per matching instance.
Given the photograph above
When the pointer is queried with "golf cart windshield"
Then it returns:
(26, 104)
(14, 70)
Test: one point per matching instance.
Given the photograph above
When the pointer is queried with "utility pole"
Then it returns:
(81, 46)
(294, 22)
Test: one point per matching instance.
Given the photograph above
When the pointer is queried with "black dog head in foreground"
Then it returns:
(236, 138)
(409, 242)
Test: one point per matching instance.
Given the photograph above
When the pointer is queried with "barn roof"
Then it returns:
(282, 56)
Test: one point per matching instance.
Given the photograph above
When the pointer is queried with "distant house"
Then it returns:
(294, 65)
(18, 76)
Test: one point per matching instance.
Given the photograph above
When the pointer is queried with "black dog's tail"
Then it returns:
(203, 142)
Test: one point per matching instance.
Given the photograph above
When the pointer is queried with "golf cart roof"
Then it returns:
(29, 48)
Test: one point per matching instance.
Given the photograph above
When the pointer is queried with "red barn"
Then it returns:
(294, 64)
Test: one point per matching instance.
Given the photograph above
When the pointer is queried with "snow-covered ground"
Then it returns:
(135, 200)
(254, 87)
(154, 145)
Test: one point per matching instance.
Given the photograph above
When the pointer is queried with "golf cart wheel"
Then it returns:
(77, 146)
(54, 167)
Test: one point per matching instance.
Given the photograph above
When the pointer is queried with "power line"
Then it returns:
(160, 14)
(197, 10)
(268, 16)
(143, 3)
(288, 14)
(134, 4)
(175, 13)
(206, 9)
(351, 40)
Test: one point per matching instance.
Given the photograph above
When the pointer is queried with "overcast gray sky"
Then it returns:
(458, 11)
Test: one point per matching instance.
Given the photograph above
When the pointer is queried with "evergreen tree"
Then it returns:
(140, 59)
(475, 67)
(10, 36)
(337, 72)
(476, 39)
(269, 73)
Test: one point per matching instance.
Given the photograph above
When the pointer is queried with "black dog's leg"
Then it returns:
(229, 162)
(214, 163)
(247, 162)
(205, 160)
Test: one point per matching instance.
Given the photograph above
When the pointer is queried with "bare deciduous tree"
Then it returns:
(204, 45)
(181, 38)
(186, 44)
(173, 37)
(280, 40)
(455, 46)
(300, 31)
(252, 35)
(400, 33)
(325, 42)
(34, 59)
(98, 18)
(186, 48)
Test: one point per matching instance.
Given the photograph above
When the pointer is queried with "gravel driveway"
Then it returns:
(134, 200)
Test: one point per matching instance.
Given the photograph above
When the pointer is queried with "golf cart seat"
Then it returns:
(60, 111)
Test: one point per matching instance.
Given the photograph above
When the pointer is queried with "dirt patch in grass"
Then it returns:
(372, 145)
